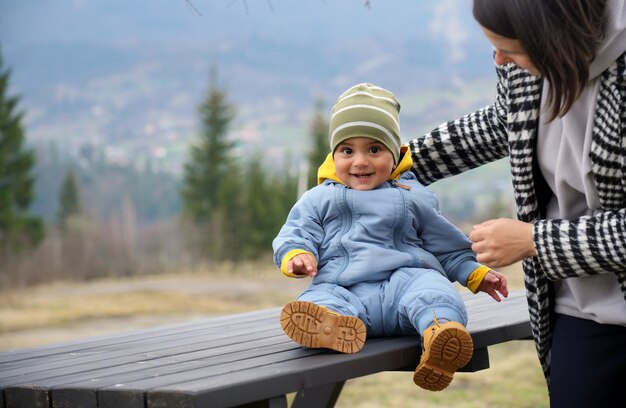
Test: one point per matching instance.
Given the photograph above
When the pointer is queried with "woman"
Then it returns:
(560, 116)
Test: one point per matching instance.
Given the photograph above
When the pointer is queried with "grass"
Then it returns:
(65, 311)
(514, 380)
(32, 312)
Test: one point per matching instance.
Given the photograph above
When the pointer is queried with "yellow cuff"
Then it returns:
(477, 276)
(288, 256)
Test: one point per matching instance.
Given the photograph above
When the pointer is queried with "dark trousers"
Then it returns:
(588, 368)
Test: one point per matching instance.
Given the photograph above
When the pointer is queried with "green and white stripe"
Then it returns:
(366, 110)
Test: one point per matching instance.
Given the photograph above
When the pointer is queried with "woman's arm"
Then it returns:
(565, 248)
(583, 246)
(471, 141)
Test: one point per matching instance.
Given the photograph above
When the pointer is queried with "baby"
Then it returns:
(381, 255)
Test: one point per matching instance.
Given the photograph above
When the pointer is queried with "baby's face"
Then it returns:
(363, 163)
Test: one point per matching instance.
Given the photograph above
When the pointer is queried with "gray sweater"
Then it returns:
(563, 148)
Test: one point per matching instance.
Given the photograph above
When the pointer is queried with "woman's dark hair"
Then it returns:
(559, 36)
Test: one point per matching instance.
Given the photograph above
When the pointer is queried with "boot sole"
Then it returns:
(316, 327)
(450, 349)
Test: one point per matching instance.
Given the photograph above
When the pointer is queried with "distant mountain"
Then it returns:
(126, 77)
(132, 73)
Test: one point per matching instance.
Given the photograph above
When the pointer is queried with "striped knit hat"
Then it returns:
(366, 110)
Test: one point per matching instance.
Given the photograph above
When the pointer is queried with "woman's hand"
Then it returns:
(502, 242)
(303, 264)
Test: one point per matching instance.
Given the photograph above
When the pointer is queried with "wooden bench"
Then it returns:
(237, 360)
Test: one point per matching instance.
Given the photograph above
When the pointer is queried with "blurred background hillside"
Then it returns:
(110, 92)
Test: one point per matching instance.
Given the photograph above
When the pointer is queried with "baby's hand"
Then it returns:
(492, 283)
(303, 264)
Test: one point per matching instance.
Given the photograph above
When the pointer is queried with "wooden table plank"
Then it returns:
(32, 389)
(288, 375)
(115, 353)
(219, 322)
(73, 391)
(120, 373)
(181, 334)
(75, 384)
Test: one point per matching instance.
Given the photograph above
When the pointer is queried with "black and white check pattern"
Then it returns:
(566, 248)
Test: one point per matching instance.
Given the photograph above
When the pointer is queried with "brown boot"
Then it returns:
(317, 327)
(447, 348)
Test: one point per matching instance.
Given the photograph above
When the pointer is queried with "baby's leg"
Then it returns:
(313, 320)
(334, 297)
(434, 307)
(422, 295)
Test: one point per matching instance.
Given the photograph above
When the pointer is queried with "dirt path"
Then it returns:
(174, 299)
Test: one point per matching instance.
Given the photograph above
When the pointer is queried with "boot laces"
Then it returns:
(436, 323)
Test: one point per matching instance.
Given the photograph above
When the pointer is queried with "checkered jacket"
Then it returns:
(566, 248)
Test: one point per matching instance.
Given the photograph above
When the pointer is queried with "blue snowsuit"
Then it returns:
(385, 255)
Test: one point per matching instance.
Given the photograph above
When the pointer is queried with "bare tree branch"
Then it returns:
(245, 4)
(193, 8)
(367, 4)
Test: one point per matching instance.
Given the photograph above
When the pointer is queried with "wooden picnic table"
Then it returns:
(236, 360)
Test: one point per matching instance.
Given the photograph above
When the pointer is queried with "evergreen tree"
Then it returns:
(210, 161)
(229, 216)
(267, 202)
(18, 229)
(283, 193)
(69, 200)
(209, 173)
(319, 143)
